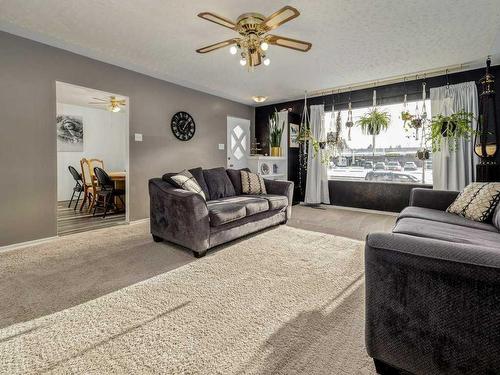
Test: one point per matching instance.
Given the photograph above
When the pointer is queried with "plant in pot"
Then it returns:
(374, 122)
(454, 128)
(275, 133)
(423, 154)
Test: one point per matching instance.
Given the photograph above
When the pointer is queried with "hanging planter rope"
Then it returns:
(349, 123)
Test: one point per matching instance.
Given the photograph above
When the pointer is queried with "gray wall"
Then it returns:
(28, 71)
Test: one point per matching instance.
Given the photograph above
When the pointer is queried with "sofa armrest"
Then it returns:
(431, 305)
(178, 215)
(435, 199)
(281, 188)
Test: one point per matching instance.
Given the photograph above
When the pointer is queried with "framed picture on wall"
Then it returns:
(294, 133)
(69, 133)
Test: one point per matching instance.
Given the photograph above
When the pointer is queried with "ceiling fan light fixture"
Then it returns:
(259, 99)
(254, 38)
(267, 61)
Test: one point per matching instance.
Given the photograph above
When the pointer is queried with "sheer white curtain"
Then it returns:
(454, 170)
(317, 174)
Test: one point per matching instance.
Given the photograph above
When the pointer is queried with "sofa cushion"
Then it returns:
(443, 217)
(447, 232)
(198, 175)
(235, 177)
(477, 201)
(218, 182)
(252, 183)
(276, 202)
(253, 204)
(224, 212)
(496, 217)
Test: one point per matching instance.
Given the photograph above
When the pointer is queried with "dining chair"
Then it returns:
(107, 192)
(79, 186)
(90, 185)
(95, 163)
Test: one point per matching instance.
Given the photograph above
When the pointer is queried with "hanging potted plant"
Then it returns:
(454, 127)
(374, 122)
(423, 154)
(275, 133)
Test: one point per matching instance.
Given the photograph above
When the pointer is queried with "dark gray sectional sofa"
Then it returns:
(433, 291)
(186, 219)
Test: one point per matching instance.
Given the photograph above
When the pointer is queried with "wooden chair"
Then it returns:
(90, 184)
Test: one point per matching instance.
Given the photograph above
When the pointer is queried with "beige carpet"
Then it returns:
(286, 301)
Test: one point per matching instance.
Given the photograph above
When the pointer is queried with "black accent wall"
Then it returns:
(363, 194)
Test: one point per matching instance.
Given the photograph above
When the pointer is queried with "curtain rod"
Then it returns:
(392, 80)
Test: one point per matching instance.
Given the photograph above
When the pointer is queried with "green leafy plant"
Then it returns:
(374, 121)
(275, 131)
(455, 127)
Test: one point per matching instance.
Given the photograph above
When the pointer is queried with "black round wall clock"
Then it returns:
(183, 126)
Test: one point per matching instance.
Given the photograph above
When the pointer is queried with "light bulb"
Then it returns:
(264, 46)
(114, 108)
(267, 61)
(243, 62)
(233, 50)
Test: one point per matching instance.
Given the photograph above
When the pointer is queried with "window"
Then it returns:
(395, 150)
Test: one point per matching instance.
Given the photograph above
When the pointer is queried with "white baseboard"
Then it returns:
(20, 245)
(140, 221)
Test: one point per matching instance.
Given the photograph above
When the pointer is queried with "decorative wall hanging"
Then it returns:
(183, 126)
(294, 133)
(485, 142)
(69, 133)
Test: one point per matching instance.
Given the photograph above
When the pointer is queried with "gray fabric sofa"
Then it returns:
(433, 291)
(186, 219)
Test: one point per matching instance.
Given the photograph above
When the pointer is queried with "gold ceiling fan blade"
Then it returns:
(215, 46)
(98, 103)
(219, 20)
(295, 44)
(102, 100)
(278, 18)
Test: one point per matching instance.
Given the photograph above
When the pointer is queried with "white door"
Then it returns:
(238, 142)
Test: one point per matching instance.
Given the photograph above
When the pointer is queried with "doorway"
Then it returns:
(238, 142)
(92, 158)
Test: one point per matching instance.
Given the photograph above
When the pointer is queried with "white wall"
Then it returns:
(104, 137)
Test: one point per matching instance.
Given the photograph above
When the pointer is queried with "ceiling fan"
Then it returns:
(112, 104)
(254, 39)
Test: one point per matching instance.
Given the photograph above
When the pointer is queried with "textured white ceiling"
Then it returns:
(353, 40)
(78, 95)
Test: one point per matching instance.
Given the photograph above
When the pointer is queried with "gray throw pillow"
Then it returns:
(477, 201)
(252, 183)
(235, 177)
(186, 181)
(198, 175)
(218, 182)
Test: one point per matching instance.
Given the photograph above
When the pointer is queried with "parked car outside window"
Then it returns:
(410, 166)
(380, 176)
(380, 165)
(394, 166)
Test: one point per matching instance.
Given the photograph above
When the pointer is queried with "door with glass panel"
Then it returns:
(238, 142)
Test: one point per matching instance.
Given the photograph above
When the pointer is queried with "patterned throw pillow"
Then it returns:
(477, 202)
(252, 183)
(186, 181)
